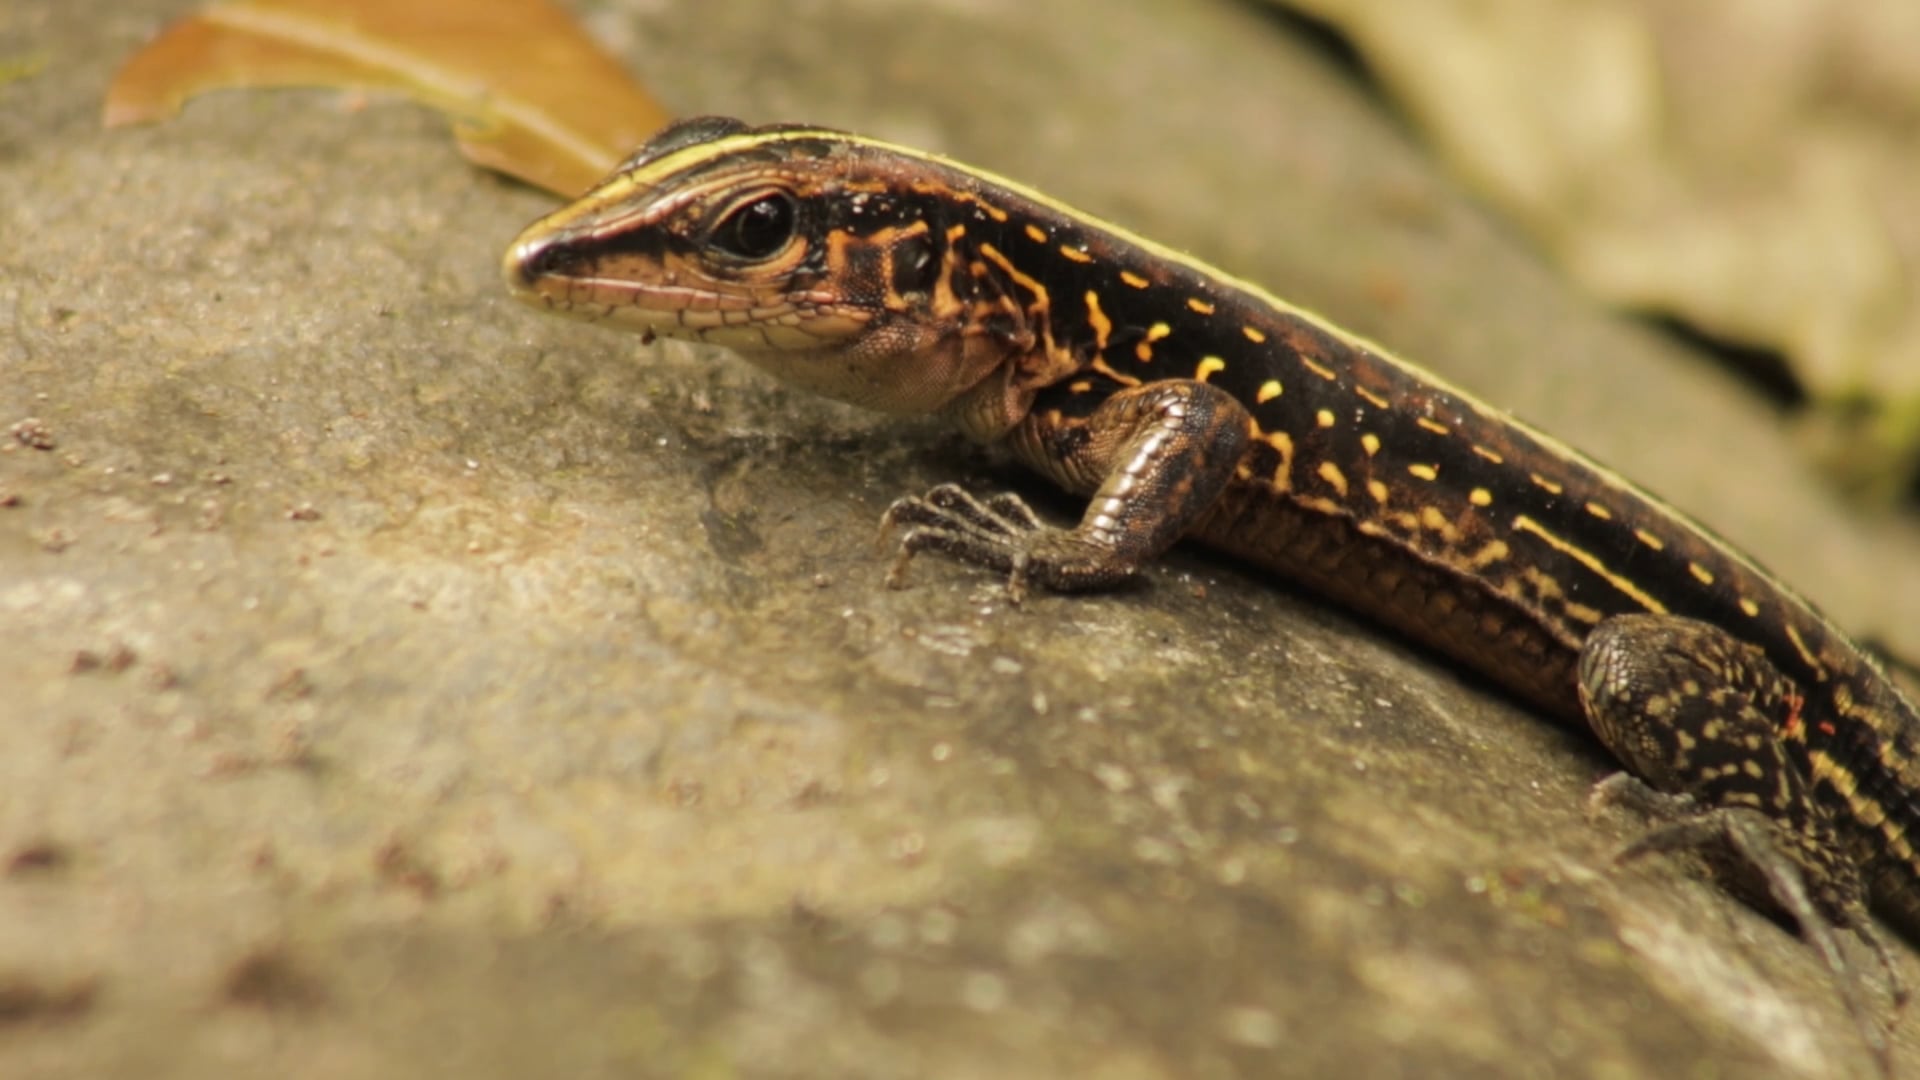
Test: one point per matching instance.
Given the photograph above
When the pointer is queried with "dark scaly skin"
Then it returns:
(1185, 403)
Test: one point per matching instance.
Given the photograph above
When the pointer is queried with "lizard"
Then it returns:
(1183, 403)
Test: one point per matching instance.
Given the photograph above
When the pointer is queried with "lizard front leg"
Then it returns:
(1155, 456)
(1699, 715)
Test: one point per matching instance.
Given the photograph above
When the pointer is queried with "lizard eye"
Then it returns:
(758, 228)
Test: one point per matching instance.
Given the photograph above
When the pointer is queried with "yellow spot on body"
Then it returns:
(1894, 831)
(1424, 472)
(1282, 444)
(1545, 585)
(1493, 552)
(1489, 455)
(1102, 326)
(1156, 332)
(1370, 443)
(1324, 417)
(1870, 812)
(1074, 254)
(1434, 520)
(1599, 511)
(1037, 234)
(993, 211)
(1700, 573)
(1080, 386)
(1134, 279)
(1749, 607)
(1581, 613)
(956, 232)
(1896, 835)
(1650, 540)
(1324, 372)
(1432, 425)
(1480, 497)
(1200, 306)
(1378, 490)
(1587, 559)
(1824, 767)
(1335, 479)
(1100, 366)
(1253, 334)
(1545, 484)
(1372, 398)
(1208, 367)
(1267, 392)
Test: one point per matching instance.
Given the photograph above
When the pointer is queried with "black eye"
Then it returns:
(758, 229)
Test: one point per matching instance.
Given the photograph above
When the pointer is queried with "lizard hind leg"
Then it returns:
(1753, 838)
(1696, 714)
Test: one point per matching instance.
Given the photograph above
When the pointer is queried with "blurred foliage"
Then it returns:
(1745, 166)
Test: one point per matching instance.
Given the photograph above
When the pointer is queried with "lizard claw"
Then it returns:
(996, 532)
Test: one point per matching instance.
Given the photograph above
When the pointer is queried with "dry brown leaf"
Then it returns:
(529, 93)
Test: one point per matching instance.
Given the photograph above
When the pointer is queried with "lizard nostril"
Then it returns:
(530, 262)
(545, 260)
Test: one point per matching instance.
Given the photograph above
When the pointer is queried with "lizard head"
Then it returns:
(829, 265)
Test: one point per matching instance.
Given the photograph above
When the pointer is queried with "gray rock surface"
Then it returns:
(398, 683)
